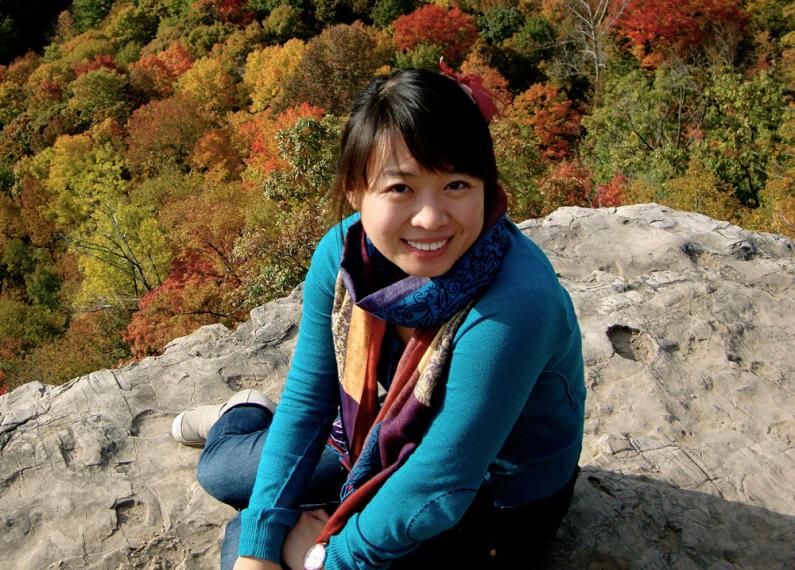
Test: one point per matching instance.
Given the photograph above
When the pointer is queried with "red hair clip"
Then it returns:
(473, 85)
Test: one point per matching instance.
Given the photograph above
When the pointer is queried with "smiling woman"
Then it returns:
(422, 221)
(431, 297)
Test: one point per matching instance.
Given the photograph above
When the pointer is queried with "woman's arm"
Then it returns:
(302, 421)
(244, 563)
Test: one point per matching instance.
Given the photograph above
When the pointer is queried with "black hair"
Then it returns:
(440, 124)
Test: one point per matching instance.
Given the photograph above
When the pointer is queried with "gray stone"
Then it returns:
(688, 333)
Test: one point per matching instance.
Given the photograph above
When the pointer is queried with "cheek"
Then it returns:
(377, 221)
(472, 217)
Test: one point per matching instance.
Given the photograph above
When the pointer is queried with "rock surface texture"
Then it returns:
(689, 458)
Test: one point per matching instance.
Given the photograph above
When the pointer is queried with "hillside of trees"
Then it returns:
(164, 164)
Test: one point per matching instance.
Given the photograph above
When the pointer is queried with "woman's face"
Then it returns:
(422, 221)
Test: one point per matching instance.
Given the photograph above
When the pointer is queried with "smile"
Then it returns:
(433, 246)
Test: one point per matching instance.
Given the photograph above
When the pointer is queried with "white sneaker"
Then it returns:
(192, 426)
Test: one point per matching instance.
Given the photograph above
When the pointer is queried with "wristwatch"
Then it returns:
(315, 557)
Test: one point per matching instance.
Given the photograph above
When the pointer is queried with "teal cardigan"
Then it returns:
(511, 417)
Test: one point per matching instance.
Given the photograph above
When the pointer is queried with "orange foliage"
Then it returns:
(555, 121)
(214, 151)
(492, 79)
(20, 69)
(567, 184)
(185, 301)
(163, 133)
(158, 72)
(99, 62)
(653, 28)
(611, 194)
(263, 157)
(454, 31)
(32, 205)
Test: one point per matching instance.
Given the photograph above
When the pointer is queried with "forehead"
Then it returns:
(389, 152)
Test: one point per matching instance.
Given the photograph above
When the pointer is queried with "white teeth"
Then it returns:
(427, 246)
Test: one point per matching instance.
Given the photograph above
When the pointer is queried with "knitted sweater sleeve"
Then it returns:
(499, 353)
(303, 417)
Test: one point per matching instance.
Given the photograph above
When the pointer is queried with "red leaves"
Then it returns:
(180, 305)
(158, 72)
(99, 62)
(612, 193)
(264, 155)
(555, 121)
(231, 11)
(567, 184)
(454, 31)
(654, 28)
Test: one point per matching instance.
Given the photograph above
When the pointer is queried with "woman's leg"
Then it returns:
(228, 464)
(228, 467)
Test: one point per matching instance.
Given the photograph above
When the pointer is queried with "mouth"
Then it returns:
(425, 245)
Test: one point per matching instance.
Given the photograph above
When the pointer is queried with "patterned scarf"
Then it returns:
(371, 293)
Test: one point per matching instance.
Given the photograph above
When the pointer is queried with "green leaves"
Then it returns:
(309, 148)
(642, 129)
(741, 130)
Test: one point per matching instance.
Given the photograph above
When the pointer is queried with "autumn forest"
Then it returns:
(165, 164)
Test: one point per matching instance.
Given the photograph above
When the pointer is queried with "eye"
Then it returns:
(458, 185)
(398, 189)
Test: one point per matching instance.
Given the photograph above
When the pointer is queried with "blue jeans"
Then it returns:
(228, 465)
(486, 537)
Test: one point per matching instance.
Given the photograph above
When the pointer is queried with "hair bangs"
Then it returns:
(431, 114)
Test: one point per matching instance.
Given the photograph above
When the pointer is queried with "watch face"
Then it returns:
(315, 557)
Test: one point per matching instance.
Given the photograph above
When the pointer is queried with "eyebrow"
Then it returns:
(398, 172)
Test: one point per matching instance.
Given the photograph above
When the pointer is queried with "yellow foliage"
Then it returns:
(85, 47)
(46, 82)
(699, 191)
(125, 257)
(788, 60)
(69, 159)
(776, 213)
(209, 84)
(639, 192)
(267, 71)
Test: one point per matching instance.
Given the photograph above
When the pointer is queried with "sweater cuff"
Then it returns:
(262, 532)
(340, 555)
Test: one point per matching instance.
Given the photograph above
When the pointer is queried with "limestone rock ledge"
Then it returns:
(689, 338)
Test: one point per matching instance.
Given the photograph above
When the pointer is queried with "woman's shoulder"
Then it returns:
(526, 291)
(525, 268)
(330, 245)
(327, 255)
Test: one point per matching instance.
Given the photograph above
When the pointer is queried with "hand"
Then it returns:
(301, 537)
(246, 563)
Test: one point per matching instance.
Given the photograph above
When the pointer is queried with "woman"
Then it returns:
(440, 338)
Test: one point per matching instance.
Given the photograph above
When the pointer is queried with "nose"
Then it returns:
(431, 215)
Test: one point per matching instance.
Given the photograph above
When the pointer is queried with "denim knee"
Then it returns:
(216, 478)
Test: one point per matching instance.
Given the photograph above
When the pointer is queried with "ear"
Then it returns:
(354, 199)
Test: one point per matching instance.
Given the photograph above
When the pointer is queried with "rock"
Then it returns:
(688, 333)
